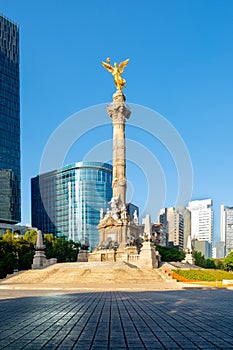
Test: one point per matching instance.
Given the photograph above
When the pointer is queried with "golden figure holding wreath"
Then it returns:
(116, 71)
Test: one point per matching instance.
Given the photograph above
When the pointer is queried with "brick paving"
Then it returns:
(181, 319)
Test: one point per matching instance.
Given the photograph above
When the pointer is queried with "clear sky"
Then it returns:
(181, 65)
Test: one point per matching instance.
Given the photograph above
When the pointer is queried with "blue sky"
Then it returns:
(181, 55)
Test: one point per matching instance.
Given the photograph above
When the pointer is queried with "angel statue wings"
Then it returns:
(116, 71)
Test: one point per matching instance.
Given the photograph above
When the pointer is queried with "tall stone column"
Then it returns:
(117, 230)
(118, 112)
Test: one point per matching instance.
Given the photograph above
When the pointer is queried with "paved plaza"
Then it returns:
(178, 319)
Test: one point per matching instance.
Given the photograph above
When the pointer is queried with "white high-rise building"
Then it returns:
(201, 220)
(226, 227)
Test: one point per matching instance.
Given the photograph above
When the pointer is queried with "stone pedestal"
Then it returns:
(82, 256)
(39, 260)
(125, 253)
(148, 257)
(102, 255)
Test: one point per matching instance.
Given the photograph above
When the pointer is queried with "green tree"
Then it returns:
(25, 253)
(15, 253)
(5, 247)
(209, 264)
(50, 243)
(8, 264)
(61, 248)
(229, 262)
(169, 253)
(65, 250)
(220, 263)
(201, 261)
(19, 252)
(8, 236)
(30, 236)
(25, 261)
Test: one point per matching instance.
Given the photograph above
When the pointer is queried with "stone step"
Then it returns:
(82, 273)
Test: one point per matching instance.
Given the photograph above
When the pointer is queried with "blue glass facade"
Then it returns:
(44, 186)
(131, 209)
(68, 201)
(9, 122)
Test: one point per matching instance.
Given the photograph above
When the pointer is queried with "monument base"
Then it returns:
(82, 256)
(115, 232)
(121, 240)
(121, 254)
(148, 256)
(118, 240)
(40, 261)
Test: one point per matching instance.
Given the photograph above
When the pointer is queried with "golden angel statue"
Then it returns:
(116, 71)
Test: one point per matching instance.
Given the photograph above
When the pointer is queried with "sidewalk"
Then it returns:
(95, 320)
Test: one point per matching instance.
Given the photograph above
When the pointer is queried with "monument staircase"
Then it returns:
(89, 276)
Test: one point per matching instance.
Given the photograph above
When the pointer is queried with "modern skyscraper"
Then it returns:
(9, 123)
(226, 227)
(68, 201)
(187, 223)
(201, 220)
(173, 221)
(43, 212)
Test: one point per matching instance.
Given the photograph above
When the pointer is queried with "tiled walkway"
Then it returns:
(186, 319)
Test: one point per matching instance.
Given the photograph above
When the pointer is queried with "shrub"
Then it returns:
(170, 254)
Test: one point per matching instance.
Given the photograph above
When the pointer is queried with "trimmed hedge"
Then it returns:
(201, 275)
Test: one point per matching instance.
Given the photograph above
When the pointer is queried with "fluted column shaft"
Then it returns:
(118, 112)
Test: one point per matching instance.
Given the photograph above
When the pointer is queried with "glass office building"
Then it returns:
(43, 211)
(68, 201)
(9, 123)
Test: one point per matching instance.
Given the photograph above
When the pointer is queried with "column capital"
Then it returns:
(118, 112)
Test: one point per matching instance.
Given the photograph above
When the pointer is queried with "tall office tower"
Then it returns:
(187, 223)
(173, 220)
(201, 220)
(9, 123)
(68, 201)
(226, 227)
(43, 212)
